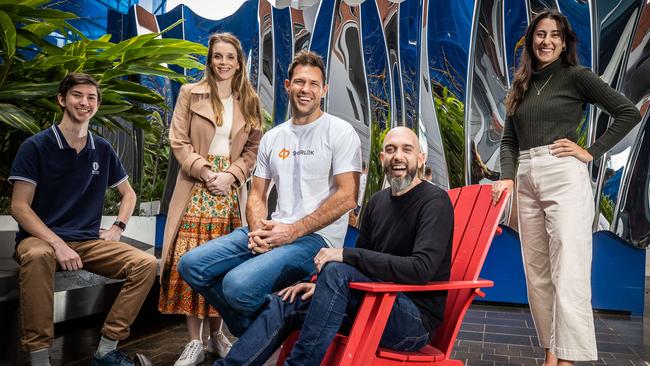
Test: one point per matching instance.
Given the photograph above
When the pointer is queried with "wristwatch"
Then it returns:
(120, 224)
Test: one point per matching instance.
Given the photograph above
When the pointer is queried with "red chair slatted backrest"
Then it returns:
(475, 221)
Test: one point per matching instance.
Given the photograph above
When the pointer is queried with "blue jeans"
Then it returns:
(237, 282)
(332, 306)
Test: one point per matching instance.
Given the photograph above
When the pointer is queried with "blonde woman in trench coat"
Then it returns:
(214, 135)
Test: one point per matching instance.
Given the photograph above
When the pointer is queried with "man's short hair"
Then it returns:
(307, 58)
(73, 79)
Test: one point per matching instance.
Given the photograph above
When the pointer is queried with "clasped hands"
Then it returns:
(270, 234)
(217, 183)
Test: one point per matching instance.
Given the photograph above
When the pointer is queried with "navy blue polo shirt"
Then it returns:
(70, 187)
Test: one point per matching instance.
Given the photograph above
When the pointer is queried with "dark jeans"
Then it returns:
(319, 318)
(237, 282)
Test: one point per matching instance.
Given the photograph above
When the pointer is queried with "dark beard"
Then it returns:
(399, 184)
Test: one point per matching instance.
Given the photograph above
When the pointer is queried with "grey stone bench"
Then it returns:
(76, 294)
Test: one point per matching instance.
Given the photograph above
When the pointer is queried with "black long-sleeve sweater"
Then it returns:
(558, 109)
(407, 239)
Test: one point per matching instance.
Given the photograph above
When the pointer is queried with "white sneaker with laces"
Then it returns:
(218, 343)
(192, 354)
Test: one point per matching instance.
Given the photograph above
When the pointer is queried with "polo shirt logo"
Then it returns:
(95, 168)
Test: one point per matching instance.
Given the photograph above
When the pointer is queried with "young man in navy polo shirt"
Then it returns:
(60, 177)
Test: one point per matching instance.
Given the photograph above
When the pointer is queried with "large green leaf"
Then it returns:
(98, 45)
(17, 118)
(153, 70)
(28, 90)
(174, 25)
(26, 38)
(63, 25)
(52, 61)
(7, 35)
(118, 50)
(50, 104)
(157, 70)
(148, 52)
(134, 90)
(76, 49)
(105, 38)
(184, 61)
(105, 110)
(32, 3)
(190, 47)
(41, 29)
(31, 12)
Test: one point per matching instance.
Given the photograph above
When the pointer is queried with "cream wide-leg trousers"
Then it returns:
(556, 211)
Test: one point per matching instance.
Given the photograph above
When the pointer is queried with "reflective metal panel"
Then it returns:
(448, 40)
(375, 57)
(320, 42)
(376, 62)
(282, 42)
(409, 38)
(301, 32)
(616, 26)
(578, 14)
(389, 14)
(428, 128)
(613, 56)
(615, 20)
(631, 218)
(515, 22)
(347, 97)
(636, 84)
(537, 6)
(266, 59)
(486, 111)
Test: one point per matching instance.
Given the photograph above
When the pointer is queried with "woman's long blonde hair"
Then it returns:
(241, 86)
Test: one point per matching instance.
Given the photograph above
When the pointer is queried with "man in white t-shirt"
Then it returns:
(314, 160)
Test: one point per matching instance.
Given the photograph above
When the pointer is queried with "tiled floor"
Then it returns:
(490, 335)
(500, 335)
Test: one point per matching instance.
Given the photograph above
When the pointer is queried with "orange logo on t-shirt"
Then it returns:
(284, 153)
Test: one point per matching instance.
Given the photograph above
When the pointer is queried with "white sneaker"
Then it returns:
(219, 344)
(192, 354)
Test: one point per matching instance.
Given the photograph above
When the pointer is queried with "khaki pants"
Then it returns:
(556, 210)
(110, 259)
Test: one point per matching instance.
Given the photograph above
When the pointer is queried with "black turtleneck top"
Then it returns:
(557, 111)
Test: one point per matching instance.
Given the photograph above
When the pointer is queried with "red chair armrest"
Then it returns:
(431, 286)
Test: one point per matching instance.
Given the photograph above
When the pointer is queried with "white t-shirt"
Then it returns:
(302, 161)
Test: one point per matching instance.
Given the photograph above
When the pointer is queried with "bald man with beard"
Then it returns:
(405, 237)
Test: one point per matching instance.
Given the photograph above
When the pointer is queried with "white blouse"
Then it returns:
(220, 145)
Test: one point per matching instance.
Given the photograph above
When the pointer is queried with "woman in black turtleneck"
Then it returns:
(555, 198)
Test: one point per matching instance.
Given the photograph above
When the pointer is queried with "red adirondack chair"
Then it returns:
(475, 224)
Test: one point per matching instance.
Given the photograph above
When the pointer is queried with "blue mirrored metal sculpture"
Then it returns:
(485, 109)
(346, 74)
(443, 68)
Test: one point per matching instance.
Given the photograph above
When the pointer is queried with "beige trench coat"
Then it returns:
(191, 132)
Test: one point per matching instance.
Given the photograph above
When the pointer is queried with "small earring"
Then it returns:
(563, 48)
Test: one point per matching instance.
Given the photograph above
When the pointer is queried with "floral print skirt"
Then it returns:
(206, 217)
